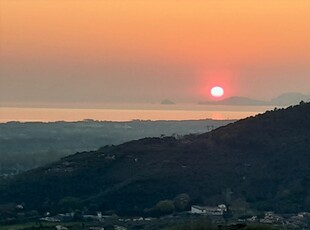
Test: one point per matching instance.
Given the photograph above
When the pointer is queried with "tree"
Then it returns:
(182, 202)
(165, 207)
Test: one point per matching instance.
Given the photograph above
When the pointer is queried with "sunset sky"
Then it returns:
(71, 51)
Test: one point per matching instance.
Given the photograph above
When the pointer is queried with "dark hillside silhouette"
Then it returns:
(262, 161)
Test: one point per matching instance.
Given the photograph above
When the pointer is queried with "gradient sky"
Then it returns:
(71, 51)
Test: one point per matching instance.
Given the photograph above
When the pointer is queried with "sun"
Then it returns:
(217, 91)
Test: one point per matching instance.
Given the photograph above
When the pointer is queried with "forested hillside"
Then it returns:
(261, 162)
(28, 145)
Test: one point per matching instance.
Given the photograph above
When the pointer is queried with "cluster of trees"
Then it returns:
(180, 203)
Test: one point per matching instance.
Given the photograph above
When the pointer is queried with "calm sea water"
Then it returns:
(127, 113)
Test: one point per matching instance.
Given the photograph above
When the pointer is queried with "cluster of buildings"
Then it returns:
(70, 216)
(299, 221)
(295, 221)
(215, 213)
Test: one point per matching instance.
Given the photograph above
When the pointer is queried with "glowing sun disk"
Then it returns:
(217, 91)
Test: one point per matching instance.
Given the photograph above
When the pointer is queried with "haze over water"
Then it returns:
(141, 112)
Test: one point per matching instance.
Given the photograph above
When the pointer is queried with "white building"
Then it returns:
(59, 227)
(96, 228)
(212, 211)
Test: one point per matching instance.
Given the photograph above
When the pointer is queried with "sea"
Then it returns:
(129, 112)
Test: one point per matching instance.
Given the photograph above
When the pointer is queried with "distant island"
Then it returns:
(167, 102)
(289, 99)
(285, 99)
(237, 101)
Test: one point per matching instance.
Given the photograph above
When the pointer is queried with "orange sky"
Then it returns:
(136, 50)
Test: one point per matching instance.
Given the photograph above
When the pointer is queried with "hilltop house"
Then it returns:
(212, 211)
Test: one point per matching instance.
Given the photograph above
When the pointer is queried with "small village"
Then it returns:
(217, 215)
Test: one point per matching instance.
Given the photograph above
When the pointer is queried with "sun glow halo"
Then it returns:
(217, 91)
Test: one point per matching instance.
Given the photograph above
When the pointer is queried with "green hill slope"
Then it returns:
(263, 161)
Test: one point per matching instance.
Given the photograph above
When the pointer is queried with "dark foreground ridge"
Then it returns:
(262, 162)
